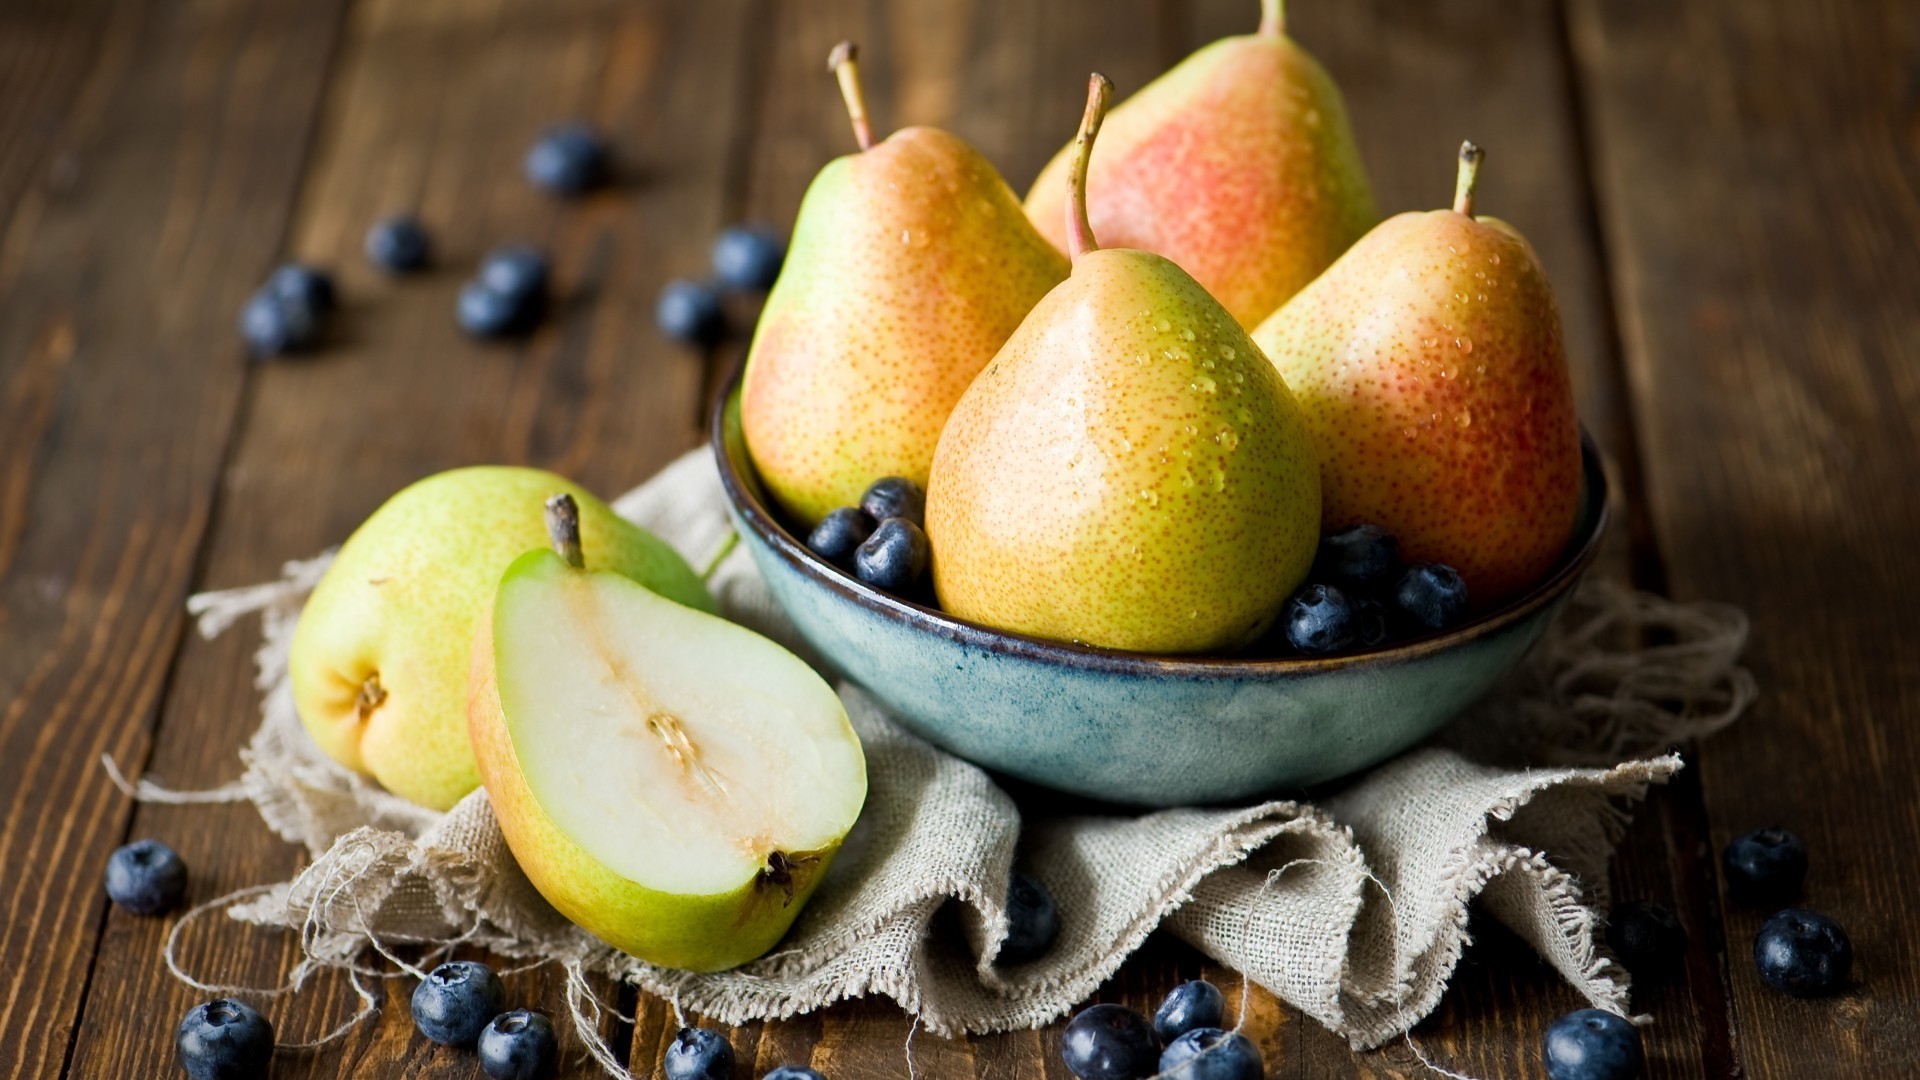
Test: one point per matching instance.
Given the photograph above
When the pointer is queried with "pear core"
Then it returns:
(677, 750)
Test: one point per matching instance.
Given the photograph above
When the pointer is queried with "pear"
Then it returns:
(1430, 363)
(1238, 164)
(1130, 471)
(911, 263)
(379, 658)
(673, 783)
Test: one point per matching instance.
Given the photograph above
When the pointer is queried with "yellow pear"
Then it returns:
(379, 658)
(911, 263)
(1130, 471)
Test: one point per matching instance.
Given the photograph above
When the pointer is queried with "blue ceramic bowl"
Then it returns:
(1130, 727)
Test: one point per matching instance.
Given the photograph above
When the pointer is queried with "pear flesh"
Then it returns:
(379, 657)
(672, 782)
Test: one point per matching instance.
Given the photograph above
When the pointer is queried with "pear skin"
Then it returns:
(1430, 362)
(1238, 164)
(911, 264)
(1130, 471)
(380, 654)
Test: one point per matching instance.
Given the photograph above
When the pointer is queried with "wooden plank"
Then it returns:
(432, 107)
(149, 153)
(1759, 202)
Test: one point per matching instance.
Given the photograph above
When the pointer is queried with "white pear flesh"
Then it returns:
(671, 781)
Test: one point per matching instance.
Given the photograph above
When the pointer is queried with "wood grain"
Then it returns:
(1761, 256)
(148, 158)
(431, 109)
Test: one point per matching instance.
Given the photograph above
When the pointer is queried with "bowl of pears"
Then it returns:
(1188, 479)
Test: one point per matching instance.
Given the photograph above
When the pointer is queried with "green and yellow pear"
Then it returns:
(672, 782)
(911, 263)
(1130, 472)
(1238, 164)
(1431, 366)
(379, 658)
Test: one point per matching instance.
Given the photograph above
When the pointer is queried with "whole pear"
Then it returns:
(1130, 471)
(380, 655)
(1431, 366)
(1238, 164)
(675, 784)
(911, 263)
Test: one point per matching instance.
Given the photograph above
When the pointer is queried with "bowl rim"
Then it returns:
(1579, 553)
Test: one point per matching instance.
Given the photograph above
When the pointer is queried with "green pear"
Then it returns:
(1431, 366)
(379, 658)
(1238, 164)
(911, 263)
(1130, 471)
(673, 783)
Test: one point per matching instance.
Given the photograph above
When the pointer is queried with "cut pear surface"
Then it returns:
(673, 782)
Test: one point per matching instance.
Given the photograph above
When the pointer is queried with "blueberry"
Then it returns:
(894, 557)
(303, 284)
(1435, 595)
(485, 313)
(894, 496)
(1593, 1044)
(516, 270)
(699, 1053)
(793, 1072)
(1646, 937)
(519, 1045)
(689, 311)
(1196, 1004)
(1109, 1042)
(1371, 626)
(747, 259)
(839, 533)
(455, 1002)
(1208, 1053)
(1033, 920)
(224, 1040)
(567, 160)
(146, 877)
(398, 244)
(1803, 953)
(1765, 865)
(1363, 557)
(273, 324)
(1318, 619)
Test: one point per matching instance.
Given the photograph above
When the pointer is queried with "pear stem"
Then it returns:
(844, 62)
(1470, 158)
(1079, 230)
(1273, 18)
(563, 528)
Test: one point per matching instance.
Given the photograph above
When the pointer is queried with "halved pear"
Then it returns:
(672, 782)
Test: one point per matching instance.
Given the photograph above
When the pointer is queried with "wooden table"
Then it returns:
(1727, 195)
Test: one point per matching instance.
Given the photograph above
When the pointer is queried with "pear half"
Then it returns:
(672, 782)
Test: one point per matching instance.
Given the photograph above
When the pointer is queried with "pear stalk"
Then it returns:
(563, 528)
(1470, 158)
(1273, 18)
(844, 62)
(1079, 230)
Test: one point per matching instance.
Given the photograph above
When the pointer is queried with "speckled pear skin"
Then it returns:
(911, 264)
(1238, 164)
(1431, 366)
(1130, 472)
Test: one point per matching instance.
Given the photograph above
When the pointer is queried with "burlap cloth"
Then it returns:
(1352, 908)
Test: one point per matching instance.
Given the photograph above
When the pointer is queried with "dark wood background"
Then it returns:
(1727, 195)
